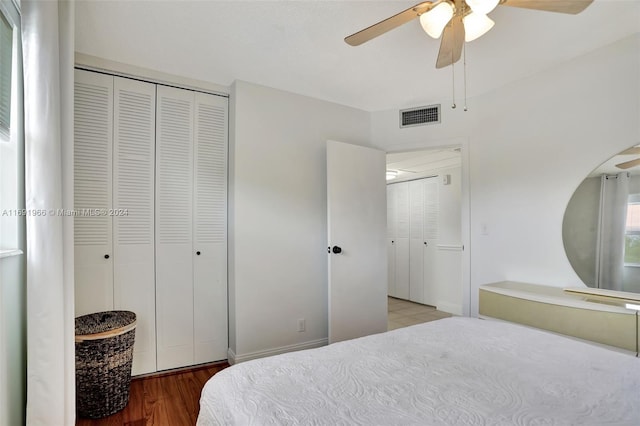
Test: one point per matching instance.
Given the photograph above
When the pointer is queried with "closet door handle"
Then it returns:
(336, 250)
(198, 253)
(106, 256)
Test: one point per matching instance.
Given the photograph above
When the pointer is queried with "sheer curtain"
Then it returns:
(48, 49)
(613, 215)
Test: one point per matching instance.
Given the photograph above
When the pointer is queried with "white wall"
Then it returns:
(278, 212)
(530, 144)
(448, 268)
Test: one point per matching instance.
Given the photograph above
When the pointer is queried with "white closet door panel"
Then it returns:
(133, 221)
(403, 212)
(402, 268)
(416, 208)
(431, 226)
(174, 306)
(174, 227)
(210, 228)
(431, 208)
(93, 138)
(391, 267)
(430, 256)
(416, 270)
(210, 304)
(392, 216)
(416, 261)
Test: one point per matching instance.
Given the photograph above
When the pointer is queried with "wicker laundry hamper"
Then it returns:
(104, 352)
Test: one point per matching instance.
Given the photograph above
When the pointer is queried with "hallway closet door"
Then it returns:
(402, 243)
(391, 237)
(431, 209)
(417, 244)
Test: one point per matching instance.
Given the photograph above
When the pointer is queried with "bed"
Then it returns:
(455, 371)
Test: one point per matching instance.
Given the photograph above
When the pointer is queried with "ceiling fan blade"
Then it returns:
(562, 6)
(451, 44)
(635, 150)
(629, 164)
(388, 24)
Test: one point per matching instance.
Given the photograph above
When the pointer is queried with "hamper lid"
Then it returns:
(100, 325)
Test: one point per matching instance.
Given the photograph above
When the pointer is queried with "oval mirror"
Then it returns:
(601, 226)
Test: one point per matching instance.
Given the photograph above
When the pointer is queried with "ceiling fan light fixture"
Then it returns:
(434, 21)
(482, 6)
(476, 25)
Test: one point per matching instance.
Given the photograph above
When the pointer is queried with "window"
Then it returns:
(632, 232)
(12, 219)
(6, 64)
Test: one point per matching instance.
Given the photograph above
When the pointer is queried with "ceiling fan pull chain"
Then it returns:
(453, 83)
(464, 71)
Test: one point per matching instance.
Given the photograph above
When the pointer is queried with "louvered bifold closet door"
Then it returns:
(417, 243)
(391, 239)
(174, 227)
(93, 139)
(402, 240)
(431, 226)
(210, 228)
(133, 217)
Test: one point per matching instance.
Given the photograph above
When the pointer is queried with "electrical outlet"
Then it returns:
(301, 324)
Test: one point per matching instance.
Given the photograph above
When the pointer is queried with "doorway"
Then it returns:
(425, 233)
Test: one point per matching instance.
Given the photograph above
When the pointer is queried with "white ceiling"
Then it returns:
(298, 45)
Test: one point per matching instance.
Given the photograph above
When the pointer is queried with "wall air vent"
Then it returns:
(420, 116)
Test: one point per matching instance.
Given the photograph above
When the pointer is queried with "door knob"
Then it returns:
(336, 250)
(198, 253)
(106, 256)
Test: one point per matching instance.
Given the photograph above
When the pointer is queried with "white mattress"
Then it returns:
(456, 371)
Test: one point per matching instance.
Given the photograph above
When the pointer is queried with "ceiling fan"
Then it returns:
(632, 163)
(458, 21)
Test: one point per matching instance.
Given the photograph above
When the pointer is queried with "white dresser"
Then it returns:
(600, 316)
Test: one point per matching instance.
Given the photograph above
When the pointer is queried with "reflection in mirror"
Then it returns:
(601, 227)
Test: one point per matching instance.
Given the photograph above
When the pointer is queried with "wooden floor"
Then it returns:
(170, 399)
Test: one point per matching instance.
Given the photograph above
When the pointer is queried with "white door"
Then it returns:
(357, 206)
(431, 230)
(417, 242)
(210, 228)
(93, 142)
(174, 227)
(134, 284)
(402, 240)
(391, 236)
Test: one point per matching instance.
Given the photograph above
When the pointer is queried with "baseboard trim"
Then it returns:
(235, 358)
(180, 370)
(451, 308)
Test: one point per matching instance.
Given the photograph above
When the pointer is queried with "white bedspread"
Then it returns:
(456, 371)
